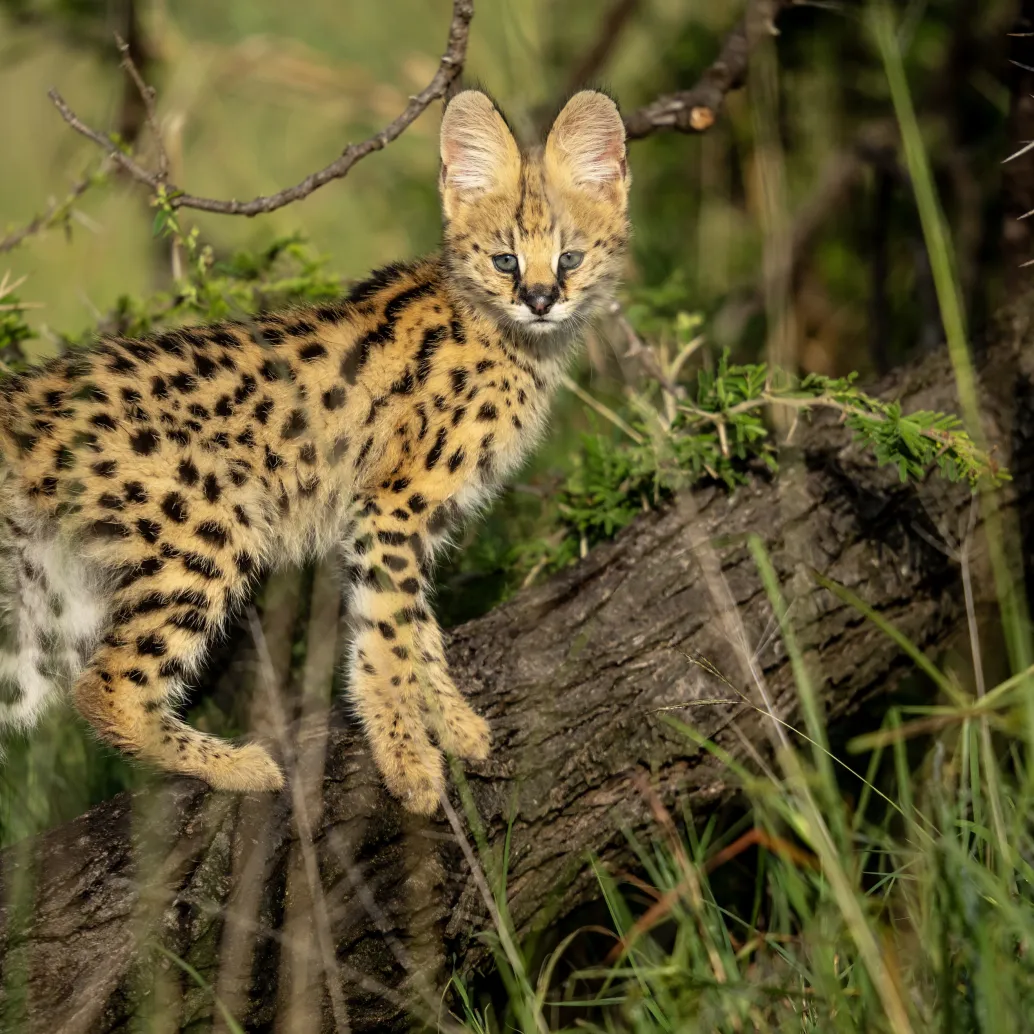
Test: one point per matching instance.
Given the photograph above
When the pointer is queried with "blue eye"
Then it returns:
(571, 260)
(505, 263)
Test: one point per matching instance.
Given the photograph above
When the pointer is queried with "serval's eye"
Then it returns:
(505, 263)
(571, 260)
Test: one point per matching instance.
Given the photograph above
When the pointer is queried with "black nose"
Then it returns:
(540, 298)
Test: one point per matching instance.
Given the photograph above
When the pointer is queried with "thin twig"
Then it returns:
(695, 110)
(642, 352)
(448, 70)
(604, 411)
(147, 95)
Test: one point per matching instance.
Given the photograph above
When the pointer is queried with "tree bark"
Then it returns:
(571, 675)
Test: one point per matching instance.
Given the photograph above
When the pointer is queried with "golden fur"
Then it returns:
(145, 483)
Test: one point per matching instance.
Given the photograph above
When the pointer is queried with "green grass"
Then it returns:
(910, 908)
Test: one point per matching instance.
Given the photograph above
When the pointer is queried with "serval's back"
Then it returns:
(145, 483)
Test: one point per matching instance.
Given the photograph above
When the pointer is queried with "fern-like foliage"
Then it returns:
(718, 431)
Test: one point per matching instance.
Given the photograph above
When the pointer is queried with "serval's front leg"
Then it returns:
(451, 720)
(399, 680)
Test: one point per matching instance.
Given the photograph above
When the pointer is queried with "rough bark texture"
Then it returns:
(571, 675)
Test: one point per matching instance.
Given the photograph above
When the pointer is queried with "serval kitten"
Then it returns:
(145, 483)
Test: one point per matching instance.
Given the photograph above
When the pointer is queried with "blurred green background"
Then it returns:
(253, 96)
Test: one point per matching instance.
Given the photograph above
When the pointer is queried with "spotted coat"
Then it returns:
(145, 483)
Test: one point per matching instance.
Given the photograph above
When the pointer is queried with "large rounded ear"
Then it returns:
(479, 153)
(586, 145)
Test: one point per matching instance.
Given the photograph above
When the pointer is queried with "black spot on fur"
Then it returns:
(109, 528)
(435, 453)
(459, 381)
(213, 532)
(198, 563)
(204, 366)
(151, 645)
(364, 452)
(150, 531)
(432, 340)
(188, 473)
(184, 383)
(377, 281)
(295, 424)
(135, 492)
(276, 370)
(245, 389)
(220, 336)
(245, 562)
(311, 352)
(190, 621)
(334, 398)
(174, 506)
(145, 441)
(103, 422)
(212, 488)
(263, 409)
(438, 521)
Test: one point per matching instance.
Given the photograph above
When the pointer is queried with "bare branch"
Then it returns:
(695, 110)
(147, 95)
(117, 155)
(449, 69)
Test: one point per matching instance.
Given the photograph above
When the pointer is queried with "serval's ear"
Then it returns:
(586, 146)
(479, 153)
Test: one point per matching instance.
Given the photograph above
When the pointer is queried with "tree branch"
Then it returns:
(695, 110)
(692, 110)
(147, 97)
(449, 68)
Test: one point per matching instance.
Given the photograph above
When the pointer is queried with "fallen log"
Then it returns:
(330, 908)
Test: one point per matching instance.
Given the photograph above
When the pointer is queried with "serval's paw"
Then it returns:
(462, 731)
(412, 770)
(247, 769)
